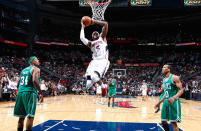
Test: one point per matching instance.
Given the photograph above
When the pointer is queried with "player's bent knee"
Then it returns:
(95, 77)
(96, 72)
(89, 83)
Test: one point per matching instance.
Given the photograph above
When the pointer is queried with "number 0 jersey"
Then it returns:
(26, 82)
(170, 89)
(100, 49)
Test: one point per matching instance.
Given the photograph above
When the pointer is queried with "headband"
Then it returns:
(31, 59)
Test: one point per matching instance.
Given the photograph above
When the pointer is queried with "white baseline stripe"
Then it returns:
(160, 126)
(54, 125)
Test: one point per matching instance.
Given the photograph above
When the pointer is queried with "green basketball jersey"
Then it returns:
(112, 84)
(26, 82)
(170, 89)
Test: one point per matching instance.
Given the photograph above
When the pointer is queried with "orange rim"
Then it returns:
(100, 3)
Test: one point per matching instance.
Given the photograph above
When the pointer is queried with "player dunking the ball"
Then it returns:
(100, 63)
(171, 109)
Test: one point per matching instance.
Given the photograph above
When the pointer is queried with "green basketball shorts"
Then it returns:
(111, 92)
(171, 112)
(25, 104)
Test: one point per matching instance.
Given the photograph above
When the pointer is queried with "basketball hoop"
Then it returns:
(98, 8)
(118, 75)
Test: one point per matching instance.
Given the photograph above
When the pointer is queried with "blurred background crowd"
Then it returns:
(62, 71)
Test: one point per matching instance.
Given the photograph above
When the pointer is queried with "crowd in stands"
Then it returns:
(185, 64)
(9, 86)
(62, 71)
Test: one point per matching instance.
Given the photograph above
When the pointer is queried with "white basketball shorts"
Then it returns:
(101, 66)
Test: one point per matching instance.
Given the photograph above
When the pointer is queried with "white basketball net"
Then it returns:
(98, 8)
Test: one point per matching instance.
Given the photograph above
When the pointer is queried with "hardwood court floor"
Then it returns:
(86, 108)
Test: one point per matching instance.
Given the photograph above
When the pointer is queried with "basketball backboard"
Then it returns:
(114, 3)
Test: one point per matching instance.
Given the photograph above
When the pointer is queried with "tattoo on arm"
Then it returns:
(36, 74)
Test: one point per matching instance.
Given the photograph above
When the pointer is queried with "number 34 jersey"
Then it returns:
(100, 49)
(26, 82)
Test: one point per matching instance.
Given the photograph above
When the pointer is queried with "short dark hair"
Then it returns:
(169, 66)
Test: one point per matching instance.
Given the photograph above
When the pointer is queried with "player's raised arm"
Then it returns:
(82, 36)
(104, 29)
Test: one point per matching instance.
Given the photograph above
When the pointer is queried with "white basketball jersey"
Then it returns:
(100, 49)
(144, 86)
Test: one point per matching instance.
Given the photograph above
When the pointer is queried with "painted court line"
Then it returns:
(53, 125)
(76, 128)
(160, 126)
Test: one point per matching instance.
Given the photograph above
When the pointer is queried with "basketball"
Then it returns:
(86, 20)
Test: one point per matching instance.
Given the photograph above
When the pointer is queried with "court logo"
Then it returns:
(124, 104)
